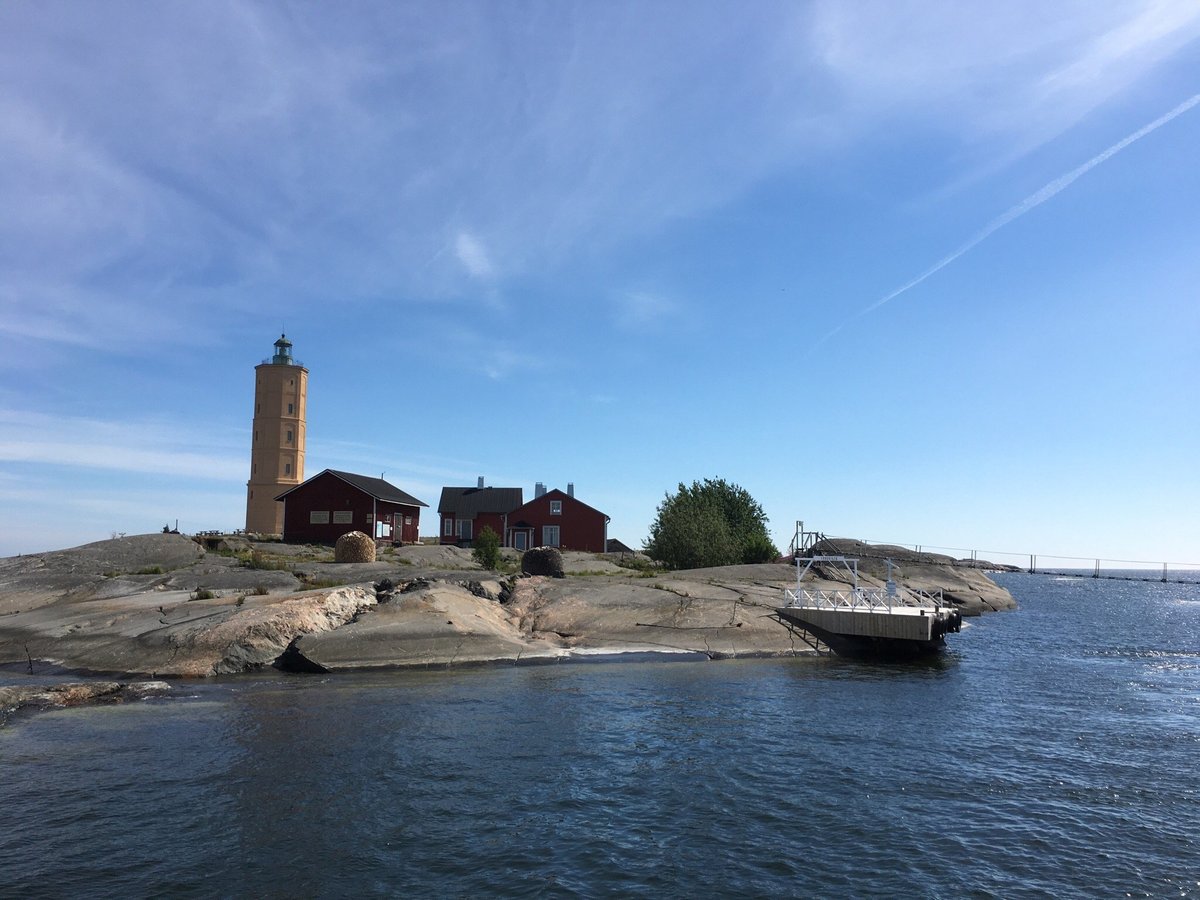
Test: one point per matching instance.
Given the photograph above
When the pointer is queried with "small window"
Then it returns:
(555, 508)
(448, 528)
(289, 437)
(318, 517)
(287, 468)
(290, 408)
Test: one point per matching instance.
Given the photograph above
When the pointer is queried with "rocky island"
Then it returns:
(168, 606)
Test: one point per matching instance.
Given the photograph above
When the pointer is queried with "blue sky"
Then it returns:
(617, 244)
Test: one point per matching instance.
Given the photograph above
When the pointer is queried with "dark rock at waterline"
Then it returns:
(56, 696)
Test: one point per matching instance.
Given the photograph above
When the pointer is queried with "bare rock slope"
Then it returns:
(161, 605)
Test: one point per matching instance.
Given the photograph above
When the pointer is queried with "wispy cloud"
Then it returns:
(140, 448)
(640, 309)
(160, 164)
(1031, 202)
(473, 256)
(1003, 77)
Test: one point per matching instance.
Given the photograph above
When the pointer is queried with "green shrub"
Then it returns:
(485, 549)
(710, 523)
(759, 549)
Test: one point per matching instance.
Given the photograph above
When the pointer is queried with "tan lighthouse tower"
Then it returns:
(277, 446)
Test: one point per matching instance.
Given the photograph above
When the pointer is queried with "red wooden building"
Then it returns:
(465, 511)
(333, 503)
(556, 519)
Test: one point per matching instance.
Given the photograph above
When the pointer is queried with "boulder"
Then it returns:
(354, 547)
(543, 561)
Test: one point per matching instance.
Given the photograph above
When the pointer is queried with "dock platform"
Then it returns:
(879, 622)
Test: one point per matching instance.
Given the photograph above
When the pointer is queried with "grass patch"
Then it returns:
(638, 564)
(150, 570)
(325, 582)
(203, 594)
(256, 559)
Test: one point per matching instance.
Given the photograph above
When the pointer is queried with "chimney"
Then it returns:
(570, 489)
(480, 482)
(538, 490)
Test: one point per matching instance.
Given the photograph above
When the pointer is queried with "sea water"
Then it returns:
(1049, 752)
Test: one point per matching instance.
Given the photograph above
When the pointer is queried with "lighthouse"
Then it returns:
(277, 442)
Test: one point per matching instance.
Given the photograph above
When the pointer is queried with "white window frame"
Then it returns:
(448, 527)
(556, 507)
(462, 528)
(547, 532)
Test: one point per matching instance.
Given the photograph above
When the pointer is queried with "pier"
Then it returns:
(880, 622)
(805, 543)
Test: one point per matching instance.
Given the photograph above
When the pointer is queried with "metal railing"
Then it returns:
(868, 599)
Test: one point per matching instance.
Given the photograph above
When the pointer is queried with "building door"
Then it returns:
(520, 540)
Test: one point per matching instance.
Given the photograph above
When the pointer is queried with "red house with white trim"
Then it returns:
(466, 511)
(556, 519)
(333, 503)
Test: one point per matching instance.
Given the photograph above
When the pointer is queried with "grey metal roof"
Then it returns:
(471, 501)
(373, 487)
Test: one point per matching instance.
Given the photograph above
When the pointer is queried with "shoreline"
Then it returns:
(163, 607)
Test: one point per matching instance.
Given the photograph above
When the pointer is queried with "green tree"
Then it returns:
(711, 523)
(485, 549)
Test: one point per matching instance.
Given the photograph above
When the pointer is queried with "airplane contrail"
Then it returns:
(1033, 200)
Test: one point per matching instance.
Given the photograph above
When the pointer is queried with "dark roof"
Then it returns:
(615, 546)
(474, 500)
(372, 487)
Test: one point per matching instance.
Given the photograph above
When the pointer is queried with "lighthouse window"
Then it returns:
(287, 468)
(289, 438)
(290, 409)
